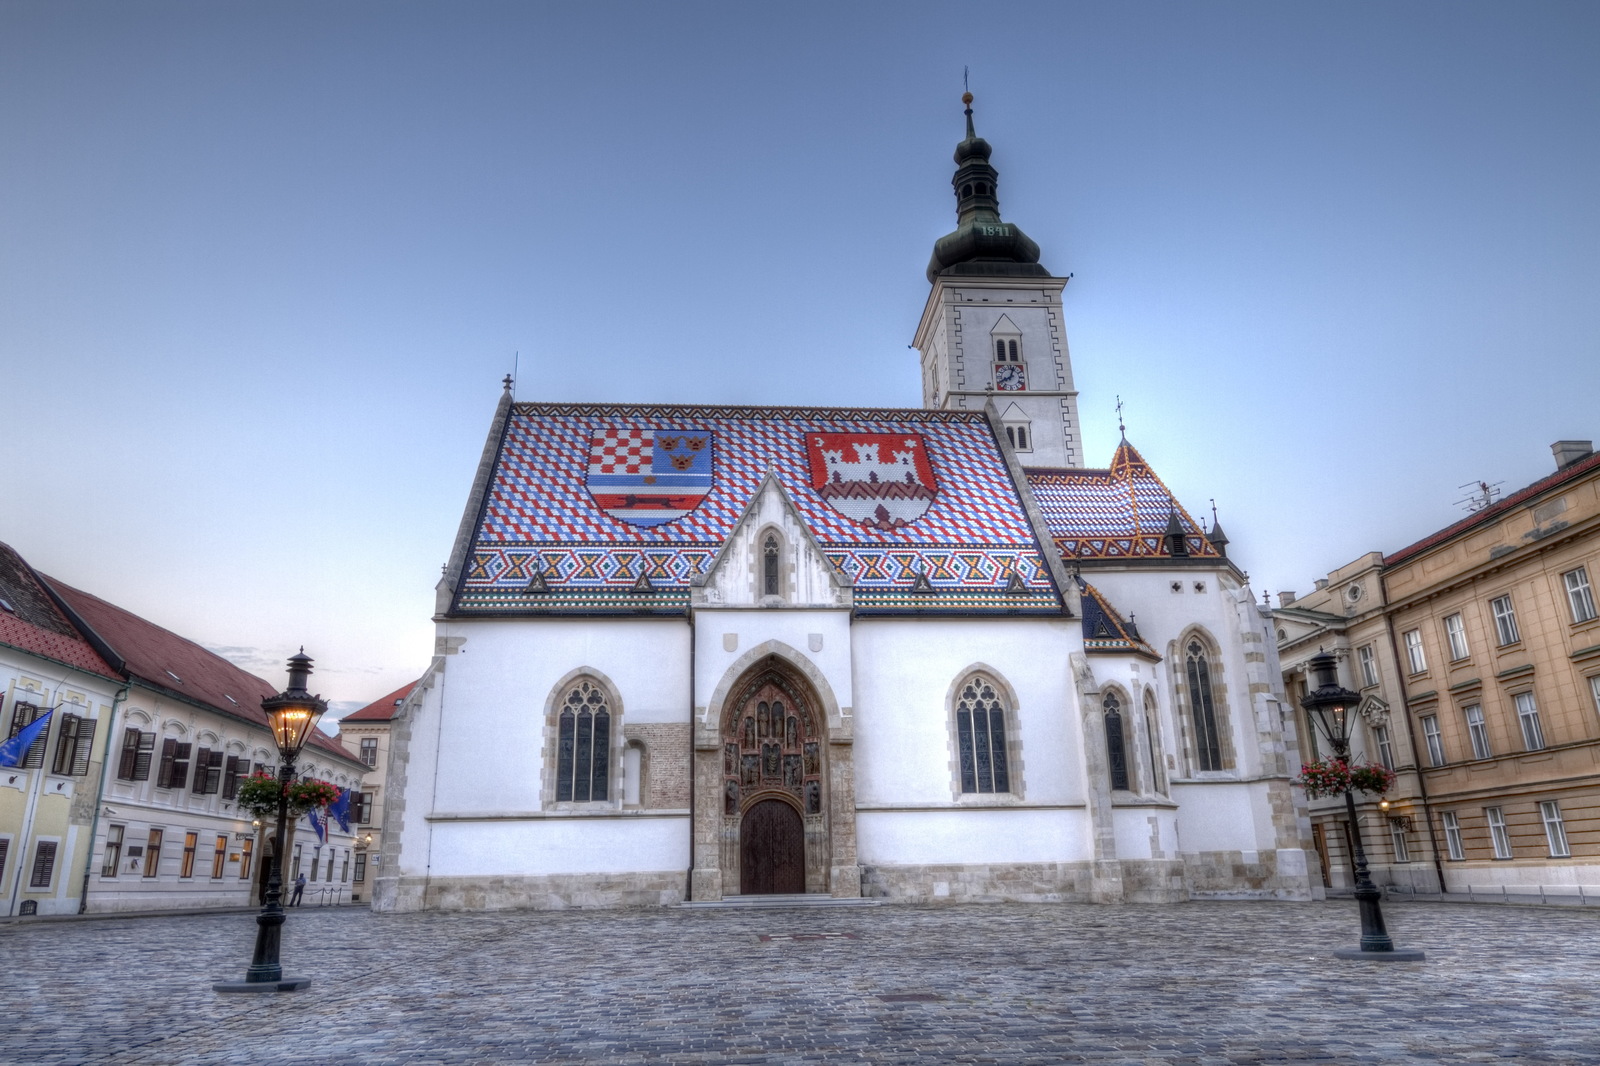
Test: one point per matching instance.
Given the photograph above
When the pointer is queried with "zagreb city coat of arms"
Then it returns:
(882, 480)
(646, 477)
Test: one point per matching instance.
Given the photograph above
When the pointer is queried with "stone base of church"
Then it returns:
(1153, 881)
(552, 892)
(1032, 882)
(1280, 874)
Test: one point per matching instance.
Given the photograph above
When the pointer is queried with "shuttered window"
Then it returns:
(174, 772)
(73, 745)
(113, 856)
(44, 864)
(231, 774)
(207, 772)
(22, 715)
(137, 750)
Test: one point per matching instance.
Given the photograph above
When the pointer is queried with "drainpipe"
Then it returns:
(1411, 734)
(100, 795)
(688, 891)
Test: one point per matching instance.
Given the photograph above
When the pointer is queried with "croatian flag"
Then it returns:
(647, 477)
(12, 751)
(339, 810)
(318, 824)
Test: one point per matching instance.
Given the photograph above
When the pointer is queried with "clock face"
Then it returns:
(1009, 377)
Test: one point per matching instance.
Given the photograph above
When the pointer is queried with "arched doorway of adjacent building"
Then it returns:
(775, 830)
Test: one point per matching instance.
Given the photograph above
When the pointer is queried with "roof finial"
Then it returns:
(966, 98)
(1213, 512)
(1122, 429)
(507, 382)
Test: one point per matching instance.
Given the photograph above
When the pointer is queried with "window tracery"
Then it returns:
(583, 745)
(981, 738)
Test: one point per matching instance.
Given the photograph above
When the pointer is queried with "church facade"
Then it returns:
(699, 652)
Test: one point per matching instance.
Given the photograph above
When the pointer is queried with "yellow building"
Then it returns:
(365, 735)
(1477, 653)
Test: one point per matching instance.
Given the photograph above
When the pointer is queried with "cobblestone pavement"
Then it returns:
(1199, 983)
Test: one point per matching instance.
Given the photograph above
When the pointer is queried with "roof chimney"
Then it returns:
(1568, 452)
(1285, 598)
(1321, 583)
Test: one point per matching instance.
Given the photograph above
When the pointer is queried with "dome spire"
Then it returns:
(981, 243)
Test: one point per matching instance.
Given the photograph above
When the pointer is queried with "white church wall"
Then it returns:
(1146, 832)
(989, 835)
(635, 843)
(725, 641)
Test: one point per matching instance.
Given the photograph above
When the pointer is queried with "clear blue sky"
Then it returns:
(262, 266)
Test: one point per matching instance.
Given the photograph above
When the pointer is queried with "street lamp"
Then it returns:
(1331, 707)
(292, 714)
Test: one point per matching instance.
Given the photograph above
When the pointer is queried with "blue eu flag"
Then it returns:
(12, 751)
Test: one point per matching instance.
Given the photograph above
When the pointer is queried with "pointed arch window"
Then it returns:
(1203, 709)
(583, 751)
(769, 565)
(981, 738)
(1116, 743)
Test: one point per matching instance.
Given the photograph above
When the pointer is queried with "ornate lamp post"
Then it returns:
(293, 714)
(1331, 706)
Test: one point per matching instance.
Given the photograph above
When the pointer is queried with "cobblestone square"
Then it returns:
(1199, 983)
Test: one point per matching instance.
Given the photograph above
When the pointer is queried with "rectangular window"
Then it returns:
(1452, 836)
(174, 771)
(369, 751)
(219, 857)
(190, 842)
(1478, 731)
(1380, 740)
(1579, 596)
(1430, 733)
(113, 856)
(231, 774)
(1456, 631)
(73, 745)
(245, 851)
(152, 854)
(361, 867)
(1397, 837)
(316, 861)
(344, 869)
(137, 750)
(22, 715)
(330, 865)
(1497, 832)
(1528, 717)
(44, 864)
(207, 772)
(1414, 656)
(1505, 620)
(1369, 665)
(1594, 690)
(294, 870)
(361, 808)
(1555, 830)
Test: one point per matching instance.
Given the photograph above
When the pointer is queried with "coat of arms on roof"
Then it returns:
(647, 477)
(882, 480)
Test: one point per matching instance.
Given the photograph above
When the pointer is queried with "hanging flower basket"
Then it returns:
(1335, 777)
(259, 794)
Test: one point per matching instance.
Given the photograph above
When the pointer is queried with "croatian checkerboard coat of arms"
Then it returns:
(882, 480)
(647, 477)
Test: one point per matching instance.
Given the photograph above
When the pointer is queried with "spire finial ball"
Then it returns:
(966, 98)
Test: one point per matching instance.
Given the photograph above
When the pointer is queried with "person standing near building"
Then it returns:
(299, 889)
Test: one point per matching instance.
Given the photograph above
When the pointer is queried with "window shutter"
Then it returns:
(201, 760)
(130, 755)
(23, 714)
(169, 756)
(214, 772)
(66, 744)
(44, 864)
(80, 758)
(230, 778)
(141, 762)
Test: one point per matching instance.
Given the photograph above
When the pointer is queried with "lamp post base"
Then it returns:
(1392, 955)
(282, 984)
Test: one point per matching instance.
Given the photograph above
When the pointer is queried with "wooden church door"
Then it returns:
(772, 850)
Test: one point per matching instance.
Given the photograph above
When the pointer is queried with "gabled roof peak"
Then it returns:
(1128, 463)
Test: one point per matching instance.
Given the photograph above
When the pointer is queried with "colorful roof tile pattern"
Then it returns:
(1105, 631)
(30, 621)
(1117, 513)
(892, 496)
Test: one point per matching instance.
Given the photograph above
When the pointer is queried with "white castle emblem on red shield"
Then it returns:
(882, 480)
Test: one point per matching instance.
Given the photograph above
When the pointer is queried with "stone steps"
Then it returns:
(774, 902)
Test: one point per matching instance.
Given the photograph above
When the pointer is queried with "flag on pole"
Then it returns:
(13, 750)
(339, 810)
(318, 824)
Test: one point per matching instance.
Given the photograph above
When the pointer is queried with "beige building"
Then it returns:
(365, 735)
(1477, 654)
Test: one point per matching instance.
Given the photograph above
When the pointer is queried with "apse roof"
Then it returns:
(1121, 512)
(605, 507)
(1104, 629)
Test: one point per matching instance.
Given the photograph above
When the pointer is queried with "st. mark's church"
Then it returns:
(690, 653)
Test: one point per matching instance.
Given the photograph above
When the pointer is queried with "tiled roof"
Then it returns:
(1104, 630)
(30, 621)
(594, 497)
(1494, 511)
(167, 661)
(1117, 513)
(382, 709)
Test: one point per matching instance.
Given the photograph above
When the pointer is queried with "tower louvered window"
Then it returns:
(1207, 738)
(583, 753)
(981, 738)
(1116, 743)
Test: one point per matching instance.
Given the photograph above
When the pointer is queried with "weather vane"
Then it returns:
(1122, 429)
(966, 88)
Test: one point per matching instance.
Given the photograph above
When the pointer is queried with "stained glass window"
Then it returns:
(583, 745)
(1116, 744)
(1207, 739)
(981, 738)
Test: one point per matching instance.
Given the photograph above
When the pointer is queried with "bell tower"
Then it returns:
(992, 326)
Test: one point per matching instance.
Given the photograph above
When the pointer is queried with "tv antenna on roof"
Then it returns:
(1483, 494)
